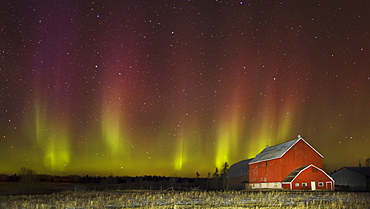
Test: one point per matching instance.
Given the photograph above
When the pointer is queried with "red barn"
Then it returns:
(292, 165)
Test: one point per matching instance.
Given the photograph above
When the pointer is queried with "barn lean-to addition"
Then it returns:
(238, 175)
(291, 165)
(308, 177)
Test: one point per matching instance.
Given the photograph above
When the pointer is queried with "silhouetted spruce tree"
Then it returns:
(225, 170)
(215, 174)
(208, 180)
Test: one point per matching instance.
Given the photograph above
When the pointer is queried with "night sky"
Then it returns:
(175, 87)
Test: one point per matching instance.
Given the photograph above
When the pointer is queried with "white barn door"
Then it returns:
(313, 185)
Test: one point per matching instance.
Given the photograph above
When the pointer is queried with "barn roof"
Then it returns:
(294, 173)
(361, 170)
(238, 169)
(277, 151)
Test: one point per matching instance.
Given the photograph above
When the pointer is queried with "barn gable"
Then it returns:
(277, 151)
(295, 173)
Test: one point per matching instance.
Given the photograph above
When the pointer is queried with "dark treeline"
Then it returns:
(216, 181)
(123, 182)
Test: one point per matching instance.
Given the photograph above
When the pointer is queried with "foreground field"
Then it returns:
(192, 199)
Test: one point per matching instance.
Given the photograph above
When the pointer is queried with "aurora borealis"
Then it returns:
(175, 87)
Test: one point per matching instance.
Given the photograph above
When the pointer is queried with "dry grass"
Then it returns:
(193, 199)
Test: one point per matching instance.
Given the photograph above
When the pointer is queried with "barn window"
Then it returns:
(296, 184)
(304, 184)
(321, 184)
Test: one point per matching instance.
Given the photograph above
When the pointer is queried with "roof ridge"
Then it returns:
(362, 170)
(279, 150)
(278, 154)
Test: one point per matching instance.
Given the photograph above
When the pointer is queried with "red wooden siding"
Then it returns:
(267, 171)
(277, 169)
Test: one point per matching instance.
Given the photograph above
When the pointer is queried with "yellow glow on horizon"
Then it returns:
(179, 155)
(112, 132)
(57, 155)
(262, 132)
(228, 136)
(51, 139)
(185, 147)
(115, 150)
(113, 146)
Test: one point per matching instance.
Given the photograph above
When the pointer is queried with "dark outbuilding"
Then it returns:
(238, 175)
(353, 178)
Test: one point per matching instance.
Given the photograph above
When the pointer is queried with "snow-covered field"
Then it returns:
(191, 199)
